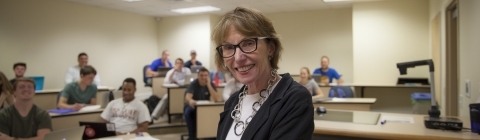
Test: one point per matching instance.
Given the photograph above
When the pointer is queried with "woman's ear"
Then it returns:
(271, 48)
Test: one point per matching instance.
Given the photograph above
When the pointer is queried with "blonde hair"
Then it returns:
(6, 85)
(308, 72)
(248, 22)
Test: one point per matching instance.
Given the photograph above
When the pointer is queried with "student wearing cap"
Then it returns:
(193, 61)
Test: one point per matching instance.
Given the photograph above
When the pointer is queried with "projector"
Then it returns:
(433, 120)
(443, 123)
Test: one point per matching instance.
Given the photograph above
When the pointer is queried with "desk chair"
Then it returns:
(341, 92)
(58, 97)
(145, 78)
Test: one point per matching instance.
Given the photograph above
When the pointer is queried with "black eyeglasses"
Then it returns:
(247, 46)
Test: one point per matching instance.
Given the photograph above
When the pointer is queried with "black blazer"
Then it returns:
(287, 114)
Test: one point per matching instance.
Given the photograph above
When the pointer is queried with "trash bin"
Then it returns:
(421, 102)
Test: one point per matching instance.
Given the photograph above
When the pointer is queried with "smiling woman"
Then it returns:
(271, 105)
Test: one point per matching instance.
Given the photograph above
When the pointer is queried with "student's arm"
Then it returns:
(150, 73)
(338, 77)
(106, 113)
(40, 134)
(142, 127)
(213, 91)
(189, 99)
(62, 101)
(143, 119)
(169, 77)
(319, 92)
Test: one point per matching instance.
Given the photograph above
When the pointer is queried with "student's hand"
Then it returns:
(209, 81)
(5, 137)
(192, 103)
(77, 107)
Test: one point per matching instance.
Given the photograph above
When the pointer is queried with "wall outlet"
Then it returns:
(467, 88)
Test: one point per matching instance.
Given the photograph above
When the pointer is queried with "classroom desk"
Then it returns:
(176, 98)
(390, 130)
(354, 104)
(127, 136)
(70, 120)
(157, 86)
(208, 113)
(389, 97)
(47, 99)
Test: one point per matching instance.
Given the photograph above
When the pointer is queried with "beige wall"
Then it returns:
(308, 35)
(388, 32)
(438, 7)
(49, 34)
(468, 52)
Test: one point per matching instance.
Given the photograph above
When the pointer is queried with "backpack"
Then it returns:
(340, 92)
(152, 102)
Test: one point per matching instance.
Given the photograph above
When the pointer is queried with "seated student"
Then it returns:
(327, 73)
(6, 91)
(152, 71)
(73, 73)
(309, 83)
(129, 115)
(232, 86)
(177, 74)
(76, 95)
(193, 61)
(24, 120)
(200, 89)
(19, 69)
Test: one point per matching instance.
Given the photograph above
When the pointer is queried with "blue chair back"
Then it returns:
(341, 92)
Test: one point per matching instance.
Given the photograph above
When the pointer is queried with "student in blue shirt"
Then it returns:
(152, 71)
(327, 73)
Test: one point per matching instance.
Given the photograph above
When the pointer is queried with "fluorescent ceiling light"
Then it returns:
(335, 0)
(199, 9)
(132, 0)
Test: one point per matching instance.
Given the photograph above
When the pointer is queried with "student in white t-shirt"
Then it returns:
(177, 74)
(129, 115)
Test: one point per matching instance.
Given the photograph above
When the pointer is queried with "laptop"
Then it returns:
(94, 130)
(66, 134)
(162, 71)
(189, 78)
(317, 77)
(195, 69)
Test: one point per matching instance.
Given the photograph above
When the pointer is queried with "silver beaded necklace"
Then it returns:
(264, 93)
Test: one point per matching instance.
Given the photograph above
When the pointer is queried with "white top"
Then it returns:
(245, 112)
(231, 87)
(126, 116)
(73, 75)
(178, 77)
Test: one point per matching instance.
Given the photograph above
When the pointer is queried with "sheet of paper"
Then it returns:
(111, 139)
(144, 138)
(397, 119)
(90, 108)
